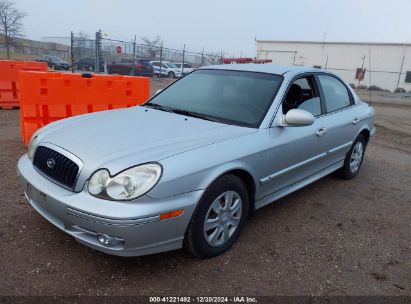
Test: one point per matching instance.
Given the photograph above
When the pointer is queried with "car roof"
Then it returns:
(263, 68)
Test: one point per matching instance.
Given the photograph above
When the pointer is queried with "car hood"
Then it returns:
(119, 139)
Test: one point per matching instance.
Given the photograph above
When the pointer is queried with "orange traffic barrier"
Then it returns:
(9, 84)
(48, 97)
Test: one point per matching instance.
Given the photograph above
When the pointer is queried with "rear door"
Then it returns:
(339, 121)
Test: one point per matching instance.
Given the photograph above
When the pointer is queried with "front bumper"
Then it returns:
(134, 228)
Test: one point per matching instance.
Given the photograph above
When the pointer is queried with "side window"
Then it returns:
(163, 65)
(335, 93)
(303, 95)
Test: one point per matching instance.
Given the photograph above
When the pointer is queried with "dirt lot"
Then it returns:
(333, 237)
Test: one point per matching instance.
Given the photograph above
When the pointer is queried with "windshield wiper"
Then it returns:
(157, 106)
(194, 114)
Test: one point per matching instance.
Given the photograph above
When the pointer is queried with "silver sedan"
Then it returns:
(187, 168)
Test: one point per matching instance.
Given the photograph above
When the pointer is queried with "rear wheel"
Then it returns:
(354, 158)
(218, 219)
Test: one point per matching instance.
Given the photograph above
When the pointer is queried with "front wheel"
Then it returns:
(171, 75)
(354, 158)
(218, 219)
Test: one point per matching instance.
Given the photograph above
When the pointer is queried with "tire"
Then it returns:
(171, 75)
(207, 242)
(53, 67)
(354, 158)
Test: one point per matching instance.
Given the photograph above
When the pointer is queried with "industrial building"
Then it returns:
(385, 65)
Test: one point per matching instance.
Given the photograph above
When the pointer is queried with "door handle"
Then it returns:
(321, 132)
(355, 121)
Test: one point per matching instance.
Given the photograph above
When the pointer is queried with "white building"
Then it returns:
(389, 63)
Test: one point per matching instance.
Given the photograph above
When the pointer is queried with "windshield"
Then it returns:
(234, 97)
(170, 65)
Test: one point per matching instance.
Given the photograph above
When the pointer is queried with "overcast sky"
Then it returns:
(218, 25)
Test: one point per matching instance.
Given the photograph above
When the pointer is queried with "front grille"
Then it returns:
(56, 166)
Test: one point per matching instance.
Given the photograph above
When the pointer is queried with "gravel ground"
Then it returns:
(333, 237)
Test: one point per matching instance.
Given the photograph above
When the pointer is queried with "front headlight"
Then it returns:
(32, 146)
(127, 185)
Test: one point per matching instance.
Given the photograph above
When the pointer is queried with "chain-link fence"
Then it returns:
(102, 54)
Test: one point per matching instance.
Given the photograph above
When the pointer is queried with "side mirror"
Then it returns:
(158, 91)
(298, 118)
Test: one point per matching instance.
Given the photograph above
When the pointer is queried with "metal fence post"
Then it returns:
(202, 57)
(182, 64)
(72, 51)
(98, 51)
(161, 57)
(134, 49)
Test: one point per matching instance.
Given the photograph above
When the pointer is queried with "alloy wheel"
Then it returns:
(356, 157)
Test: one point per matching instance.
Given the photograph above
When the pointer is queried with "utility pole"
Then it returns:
(402, 65)
(369, 71)
(202, 58)
(322, 48)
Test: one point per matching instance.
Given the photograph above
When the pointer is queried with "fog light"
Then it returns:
(104, 239)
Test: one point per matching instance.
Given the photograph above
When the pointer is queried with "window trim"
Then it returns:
(312, 80)
(351, 97)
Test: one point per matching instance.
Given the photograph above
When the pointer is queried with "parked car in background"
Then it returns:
(88, 64)
(54, 62)
(166, 69)
(187, 68)
(222, 142)
(138, 67)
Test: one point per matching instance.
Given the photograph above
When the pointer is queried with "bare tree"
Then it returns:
(212, 58)
(11, 23)
(152, 45)
(81, 39)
